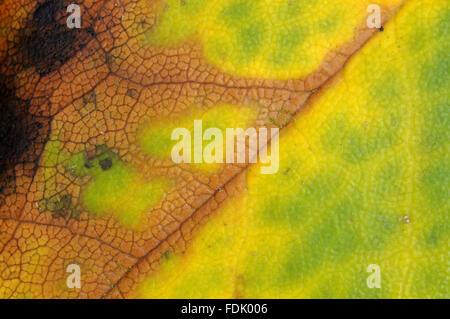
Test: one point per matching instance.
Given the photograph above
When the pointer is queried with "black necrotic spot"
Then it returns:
(106, 163)
(47, 42)
(22, 136)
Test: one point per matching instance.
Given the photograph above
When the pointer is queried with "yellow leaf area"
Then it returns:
(268, 39)
(155, 137)
(364, 179)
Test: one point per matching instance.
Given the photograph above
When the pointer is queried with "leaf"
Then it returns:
(363, 180)
(92, 184)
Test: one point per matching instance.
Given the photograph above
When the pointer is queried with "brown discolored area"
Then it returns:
(22, 139)
(98, 90)
(46, 42)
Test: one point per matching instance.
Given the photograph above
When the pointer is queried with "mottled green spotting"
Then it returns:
(155, 137)
(378, 225)
(236, 12)
(435, 185)
(334, 133)
(439, 231)
(359, 144)
(416, 40)
(431, 280)
(341, 228)
(295, 208)
(424, 39)
(387, 91)
(442, 28)
(436, 72)
(329, 23)
(257, 39)
(436, 132)
(356, 147)
(250, 39)
(291, 9)
(288, 40)
(333, 239)
(157, 142)
(291, 37)
(388, 180)
(112, 184)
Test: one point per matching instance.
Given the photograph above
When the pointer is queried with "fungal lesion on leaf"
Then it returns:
(166, 255)
(91, 161)
(108, 183)
(61, 206)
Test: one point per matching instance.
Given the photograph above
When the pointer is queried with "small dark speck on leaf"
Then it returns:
(381, 29)
(88, 165)
(132, 93)
(66, 200)
(105, 163)
(166, 255)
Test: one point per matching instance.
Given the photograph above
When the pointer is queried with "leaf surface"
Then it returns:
(363, 175)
